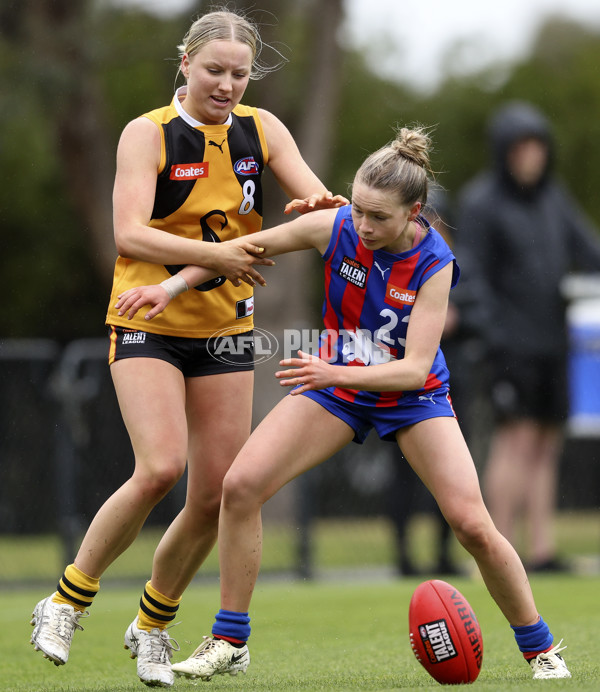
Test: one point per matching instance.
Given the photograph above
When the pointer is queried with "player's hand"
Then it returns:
(310, 372)
(235, 259)
(320, 200)
(131, 300)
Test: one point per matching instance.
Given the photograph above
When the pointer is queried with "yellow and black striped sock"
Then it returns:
(76, 589)
(156, 609)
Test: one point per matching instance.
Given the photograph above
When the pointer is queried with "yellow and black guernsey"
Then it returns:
(208, 188)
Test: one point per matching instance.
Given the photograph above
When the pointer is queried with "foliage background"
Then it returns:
(73, 74)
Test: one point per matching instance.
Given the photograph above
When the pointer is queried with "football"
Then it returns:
(444, 633)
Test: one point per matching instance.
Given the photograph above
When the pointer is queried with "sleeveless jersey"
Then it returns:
(208, 188)
(369, 296)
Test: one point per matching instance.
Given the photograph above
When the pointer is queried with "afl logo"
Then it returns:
(247, 166)
(227, 348)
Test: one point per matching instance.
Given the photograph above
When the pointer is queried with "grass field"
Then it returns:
(347, 634)
(345, 630)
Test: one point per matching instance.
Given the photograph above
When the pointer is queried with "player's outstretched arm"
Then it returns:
(309, 231)
(138, 156)
(302, 233)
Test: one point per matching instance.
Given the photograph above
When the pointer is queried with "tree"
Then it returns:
(560, 77)
(58, 140)
(72, 96)
(75, 73)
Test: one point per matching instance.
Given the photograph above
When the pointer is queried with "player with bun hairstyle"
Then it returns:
(188, 177)
(376, 368)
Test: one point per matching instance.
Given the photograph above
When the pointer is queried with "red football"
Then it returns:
(444, 633)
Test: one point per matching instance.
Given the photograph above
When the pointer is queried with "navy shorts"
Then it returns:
(413, 408)
(530, 387)
(194, 357)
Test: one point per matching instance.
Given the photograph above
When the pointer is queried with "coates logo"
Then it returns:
(247, 166)
(399, 296)
(189, 171)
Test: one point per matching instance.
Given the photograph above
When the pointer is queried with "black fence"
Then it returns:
(63, 445)
(64, 450)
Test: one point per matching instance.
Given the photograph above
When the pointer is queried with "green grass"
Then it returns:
(321, 635)
(344, 631)
(336, 544)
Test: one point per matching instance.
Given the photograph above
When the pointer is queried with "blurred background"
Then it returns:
(72, 74)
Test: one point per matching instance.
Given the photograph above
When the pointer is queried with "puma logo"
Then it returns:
(382, 271)
(211, 143)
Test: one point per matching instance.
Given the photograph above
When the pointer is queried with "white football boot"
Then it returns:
(53, 627)
(153, 651)
(214, 657)
(550, 664)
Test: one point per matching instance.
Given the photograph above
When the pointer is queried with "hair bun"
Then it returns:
(414, 144)
(401, 167)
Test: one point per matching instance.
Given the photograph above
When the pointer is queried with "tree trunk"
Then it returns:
(60, 36)
(288, 300)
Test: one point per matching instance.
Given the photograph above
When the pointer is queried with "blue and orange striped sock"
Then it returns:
(232, 626)
(533, 639)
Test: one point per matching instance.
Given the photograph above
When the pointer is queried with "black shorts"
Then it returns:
(194, 357)
(530, 387)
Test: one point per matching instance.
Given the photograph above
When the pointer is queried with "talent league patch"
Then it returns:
(353, 271)
(133, 337)
(437, 641)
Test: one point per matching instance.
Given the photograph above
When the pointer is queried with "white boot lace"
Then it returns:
(159, 647)
(63, 621)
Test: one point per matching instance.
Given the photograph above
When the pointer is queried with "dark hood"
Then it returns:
(513, 121)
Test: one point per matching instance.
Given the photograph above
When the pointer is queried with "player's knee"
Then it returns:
(473, 532)
(157, 480)
(239, 492)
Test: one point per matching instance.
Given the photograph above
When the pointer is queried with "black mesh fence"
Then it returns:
(64, 450)
(28, 427)
(63, 446)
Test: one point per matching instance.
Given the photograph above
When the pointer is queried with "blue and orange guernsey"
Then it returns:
(208, 188)
(369, 296)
